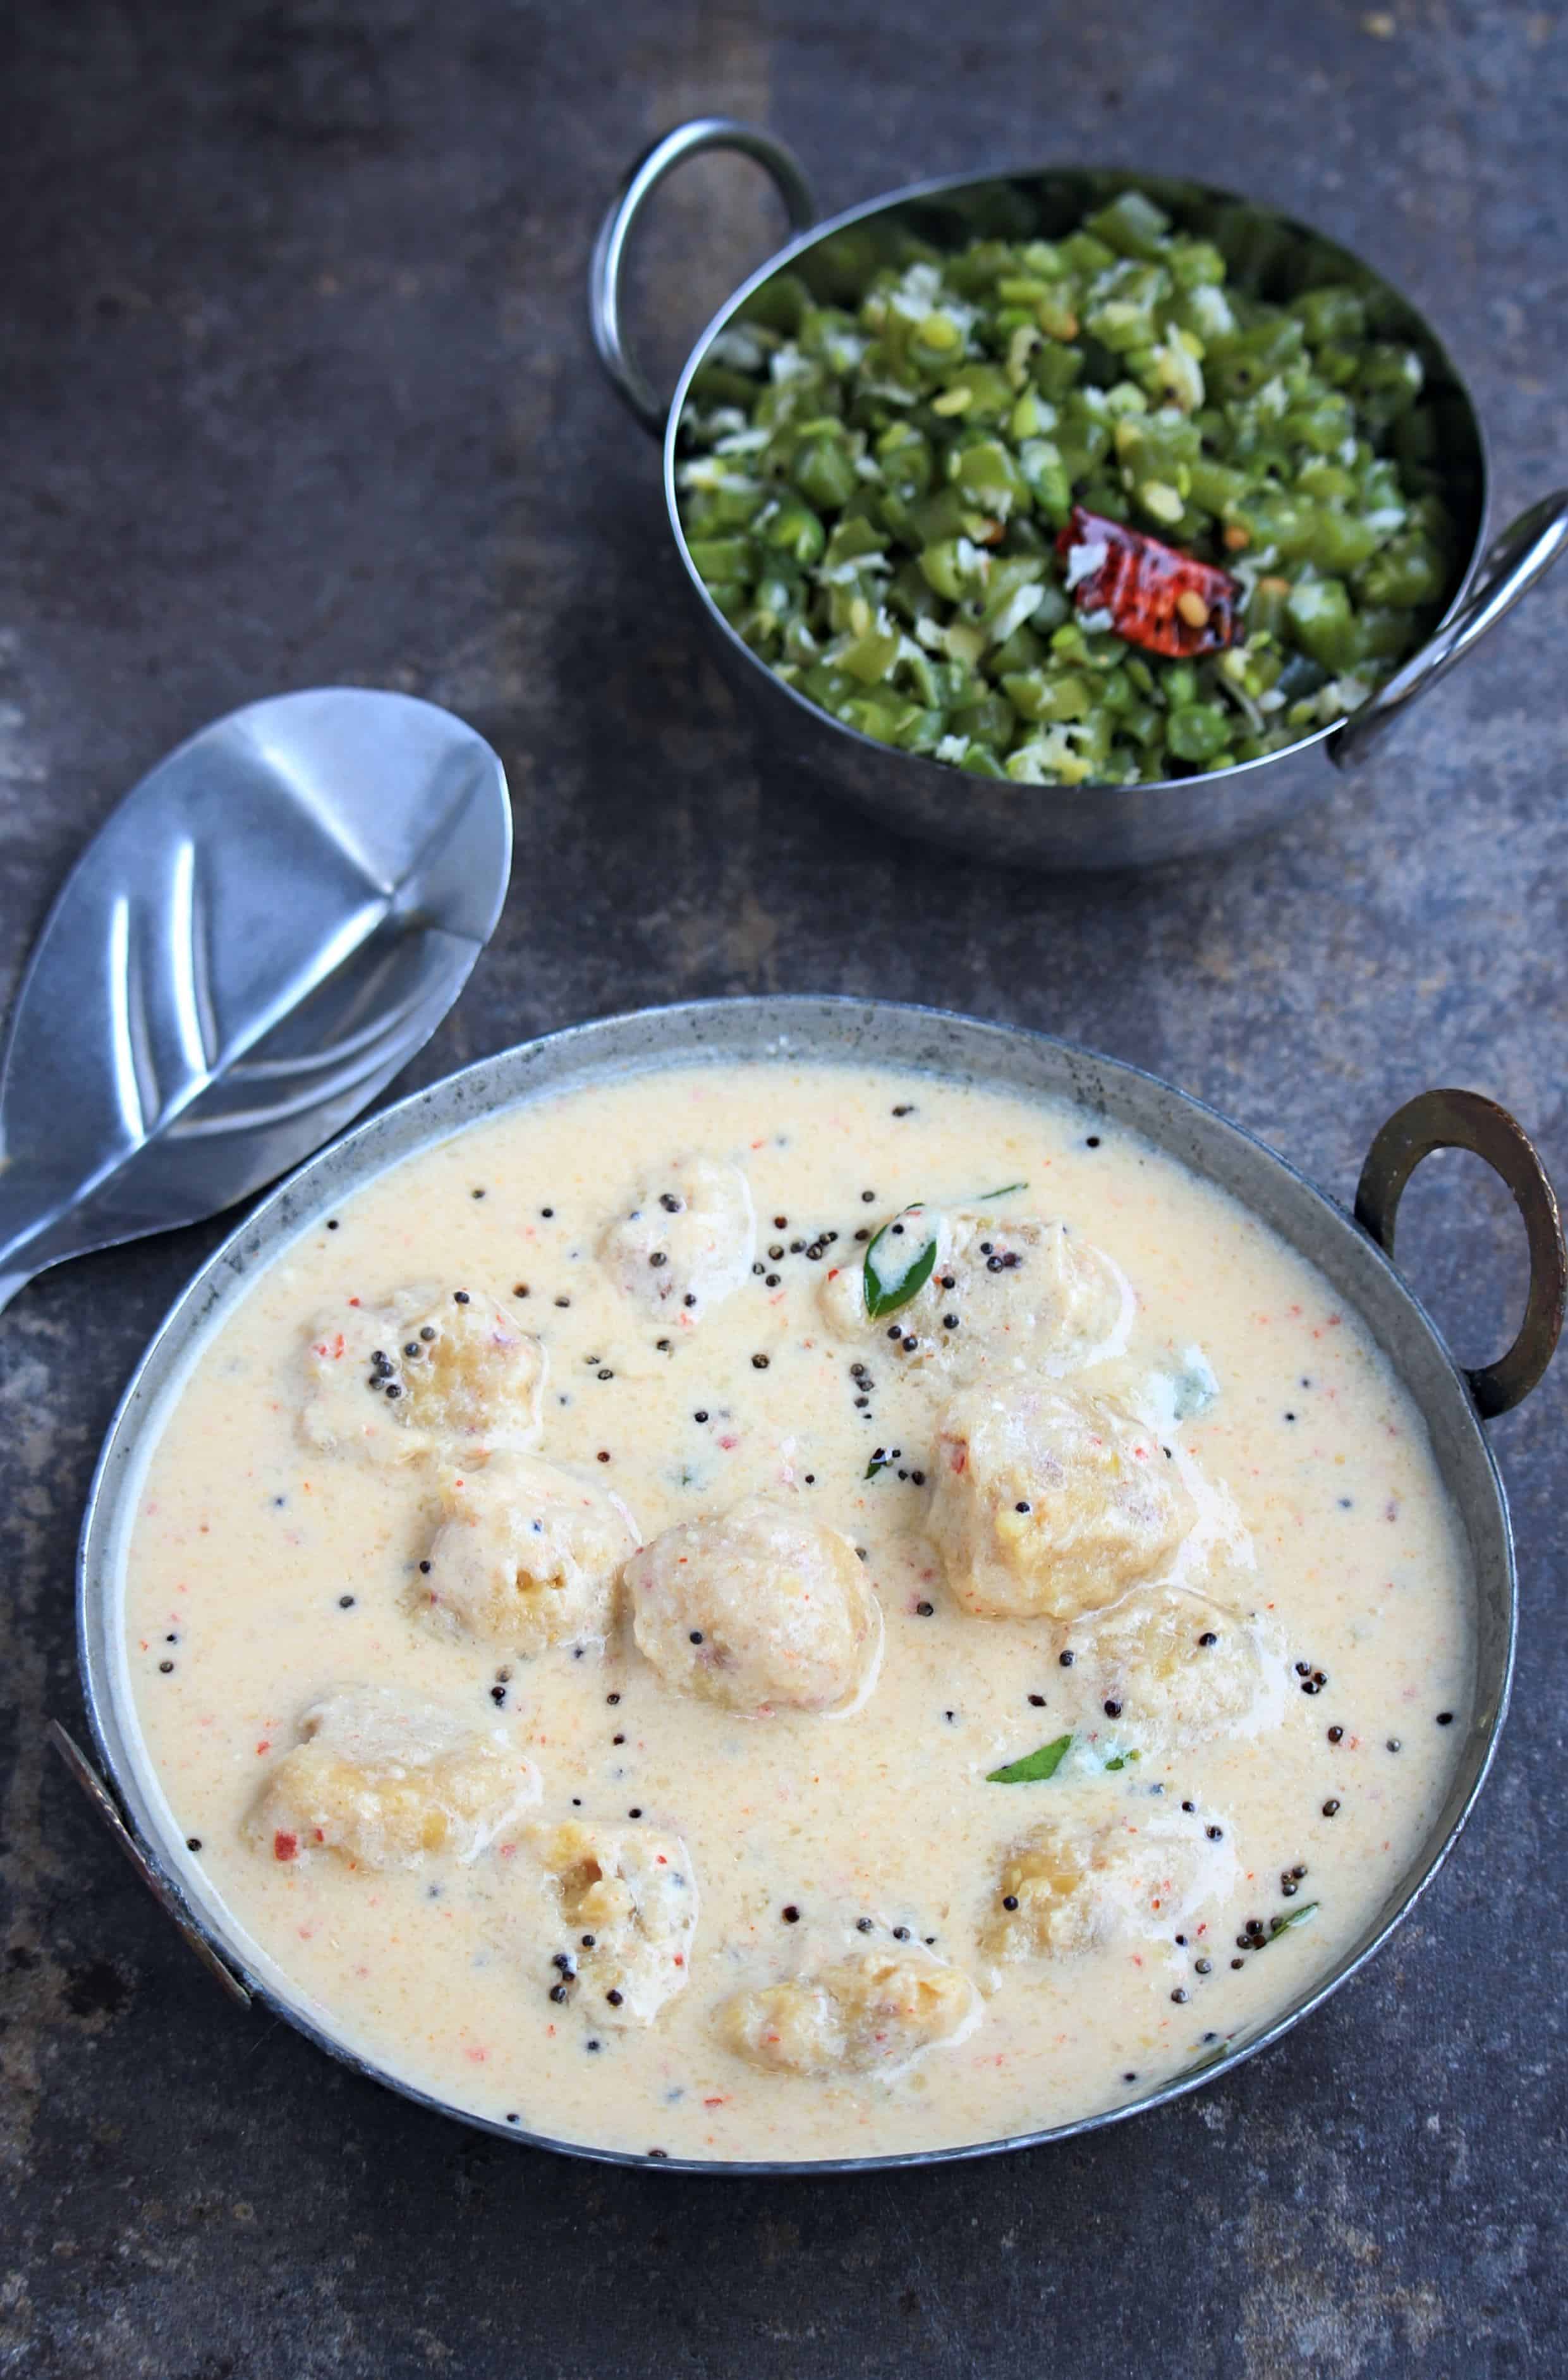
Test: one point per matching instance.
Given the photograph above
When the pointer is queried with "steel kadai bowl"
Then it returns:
(1086, 826)
(1352, 1253)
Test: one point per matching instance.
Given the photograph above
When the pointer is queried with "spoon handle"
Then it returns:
(9, 1284)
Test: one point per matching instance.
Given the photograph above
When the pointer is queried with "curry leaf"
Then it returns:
(1278, 1925)
(1005, 1192)
(1035, 1767)
(893, 1275)
(1210, 2058)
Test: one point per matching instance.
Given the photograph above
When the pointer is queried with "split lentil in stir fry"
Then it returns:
(1069, 510)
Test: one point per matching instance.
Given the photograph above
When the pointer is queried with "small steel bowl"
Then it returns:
(1351, 1255)
(1081, 826)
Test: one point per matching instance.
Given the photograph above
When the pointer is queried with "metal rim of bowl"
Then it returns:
(799, 1027)
(944, 186)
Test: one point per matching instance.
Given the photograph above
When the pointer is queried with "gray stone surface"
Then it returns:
(296, 389)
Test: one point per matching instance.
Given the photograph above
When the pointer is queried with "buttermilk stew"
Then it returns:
(783, 1611)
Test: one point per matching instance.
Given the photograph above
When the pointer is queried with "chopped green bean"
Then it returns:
(872, 491)
(1198, 731)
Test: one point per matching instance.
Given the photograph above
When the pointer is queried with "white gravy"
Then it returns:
(1320, 1504)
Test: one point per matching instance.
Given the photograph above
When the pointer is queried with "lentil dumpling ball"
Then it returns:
(527, 1554)
(449, 1373)
(1048, 1503)
(1079, 1879)
(626, 1901)
(1023, 1294)
(382, 1778)
(1181, 1668)
(872, 2014)
(757, 1608)
(684, 1240)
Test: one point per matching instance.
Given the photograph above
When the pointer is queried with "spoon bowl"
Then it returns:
(263, 932)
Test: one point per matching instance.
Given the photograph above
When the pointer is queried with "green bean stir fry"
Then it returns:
(882, 502)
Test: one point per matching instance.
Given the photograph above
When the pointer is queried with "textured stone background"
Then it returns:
(296, 389)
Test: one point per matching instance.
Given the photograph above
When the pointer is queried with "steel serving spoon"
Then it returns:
(266, 928)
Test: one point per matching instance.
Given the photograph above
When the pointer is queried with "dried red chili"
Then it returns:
(1158, 599)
